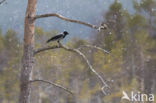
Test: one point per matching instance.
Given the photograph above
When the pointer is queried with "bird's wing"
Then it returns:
(55, 38)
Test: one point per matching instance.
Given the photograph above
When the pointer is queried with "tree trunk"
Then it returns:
(27, 60)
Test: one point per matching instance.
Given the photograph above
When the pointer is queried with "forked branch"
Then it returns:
(104, 84)
(51, 83)
(70, 20)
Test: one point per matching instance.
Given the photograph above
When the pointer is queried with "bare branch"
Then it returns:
(2, 1)
(91, 46)
(69, 20)
(90, 67)
(85, 59)
(56, 85)
(44, 49)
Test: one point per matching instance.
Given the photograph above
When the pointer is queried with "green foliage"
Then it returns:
(11, 39)
(147, 5)
(109, 63)
(10, 58)
(76, 42)
(115, 7)
(115, 19)
(136, 21)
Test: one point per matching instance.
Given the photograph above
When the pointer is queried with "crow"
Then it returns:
(58, 37)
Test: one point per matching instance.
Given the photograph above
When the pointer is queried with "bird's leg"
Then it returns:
(58, 43)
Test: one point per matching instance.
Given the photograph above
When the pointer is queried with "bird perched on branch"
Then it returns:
(58, 37)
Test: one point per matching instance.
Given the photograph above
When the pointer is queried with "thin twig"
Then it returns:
(84, 58)
(93, 46)
(54, 84)
(70, 20)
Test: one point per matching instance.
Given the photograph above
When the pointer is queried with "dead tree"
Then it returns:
(28, 55)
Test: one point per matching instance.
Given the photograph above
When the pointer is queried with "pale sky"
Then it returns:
(91, 11)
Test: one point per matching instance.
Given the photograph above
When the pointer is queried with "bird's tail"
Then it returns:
(48, 41)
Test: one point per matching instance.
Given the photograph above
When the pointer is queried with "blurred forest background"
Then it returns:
(130, 66)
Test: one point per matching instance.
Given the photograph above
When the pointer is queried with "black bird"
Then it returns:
(58, 37)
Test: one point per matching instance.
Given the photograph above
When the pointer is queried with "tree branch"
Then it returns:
(91, 46)
(46, 48)
(104, 84)
(70, 20)
(90, 67)
(56, 85)
(2, 1)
